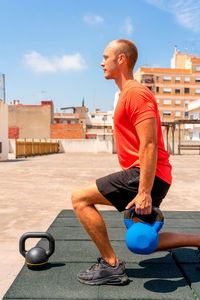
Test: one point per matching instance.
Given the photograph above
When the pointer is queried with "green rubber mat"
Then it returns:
(161, 275)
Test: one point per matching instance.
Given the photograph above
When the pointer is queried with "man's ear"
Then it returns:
(122, 58)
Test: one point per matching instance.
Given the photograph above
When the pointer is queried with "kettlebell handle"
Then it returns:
(155, 216)
(46, 235)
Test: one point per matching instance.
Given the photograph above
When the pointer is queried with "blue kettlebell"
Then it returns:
(142, 237)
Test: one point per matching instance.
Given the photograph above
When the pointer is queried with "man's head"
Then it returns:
(119, 53)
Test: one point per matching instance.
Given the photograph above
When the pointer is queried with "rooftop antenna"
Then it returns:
(2, 85)
(83, 102)
(175, 49)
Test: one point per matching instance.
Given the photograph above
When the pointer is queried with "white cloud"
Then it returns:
(42, 64)
(93, 19)
(127, 27)
(186, 12)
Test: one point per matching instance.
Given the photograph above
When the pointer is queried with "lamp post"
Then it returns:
(104, 129)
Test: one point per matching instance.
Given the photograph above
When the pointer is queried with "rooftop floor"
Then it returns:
(35, 190)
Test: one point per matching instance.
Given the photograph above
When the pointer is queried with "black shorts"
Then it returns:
(121, 187)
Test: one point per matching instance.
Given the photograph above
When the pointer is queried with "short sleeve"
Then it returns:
(140, 105)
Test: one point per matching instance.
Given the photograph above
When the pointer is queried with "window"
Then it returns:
(178, 78)
(167, 101)
(197, 79)
(157, 100)
(191, 117)
(92, 116)
(177, 113)
(157, 77)
(187, 78)
(177, 101)
(166, 113)
(197, 67)
(167, 78)
(186, 101)
(186, 114)
(157, 89)
(177, 91)
(197, 91)
(150, 88)
(148, 79)
(167, 90)
(186, 90)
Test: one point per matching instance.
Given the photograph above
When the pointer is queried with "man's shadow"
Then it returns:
(166, 277)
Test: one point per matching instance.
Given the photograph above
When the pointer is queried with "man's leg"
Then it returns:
(83, 201)
(108, 270)
(172, 240)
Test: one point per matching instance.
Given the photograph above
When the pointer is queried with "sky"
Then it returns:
(52, 49)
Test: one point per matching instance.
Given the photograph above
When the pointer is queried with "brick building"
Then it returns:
(175, 87)
(70, 125)
(67, 131)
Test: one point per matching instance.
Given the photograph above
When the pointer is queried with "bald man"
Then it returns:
(146, 172)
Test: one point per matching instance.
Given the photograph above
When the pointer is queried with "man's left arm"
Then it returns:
(147, 134)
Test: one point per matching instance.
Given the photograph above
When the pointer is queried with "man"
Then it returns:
(146, 175)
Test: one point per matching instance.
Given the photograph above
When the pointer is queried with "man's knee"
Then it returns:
(76, 199)
(88, 195)
(79, 199)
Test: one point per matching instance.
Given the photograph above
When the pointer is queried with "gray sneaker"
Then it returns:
(103, 273)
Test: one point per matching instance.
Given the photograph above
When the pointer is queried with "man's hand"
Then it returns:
(143, 204)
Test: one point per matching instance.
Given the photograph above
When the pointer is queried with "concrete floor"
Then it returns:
(35, 190)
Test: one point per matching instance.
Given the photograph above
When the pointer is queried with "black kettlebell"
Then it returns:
(36, 257)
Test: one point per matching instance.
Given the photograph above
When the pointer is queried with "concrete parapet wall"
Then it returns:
(102, 144)
(77, 145)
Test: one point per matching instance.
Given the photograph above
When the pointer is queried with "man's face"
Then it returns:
(110, 62)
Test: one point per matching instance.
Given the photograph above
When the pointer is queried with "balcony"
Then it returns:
(147, 80)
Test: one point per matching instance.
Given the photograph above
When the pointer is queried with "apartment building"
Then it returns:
(77, 115)
(174, 88)
(98, 122)
(81, 124)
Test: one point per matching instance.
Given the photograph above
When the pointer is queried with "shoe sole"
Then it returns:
(112, 280)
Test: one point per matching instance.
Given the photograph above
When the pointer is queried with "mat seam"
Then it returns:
(184, 275)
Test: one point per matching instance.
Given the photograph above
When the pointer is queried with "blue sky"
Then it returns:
(52, 49)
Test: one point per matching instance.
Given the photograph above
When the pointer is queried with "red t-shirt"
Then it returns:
(136, 103)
